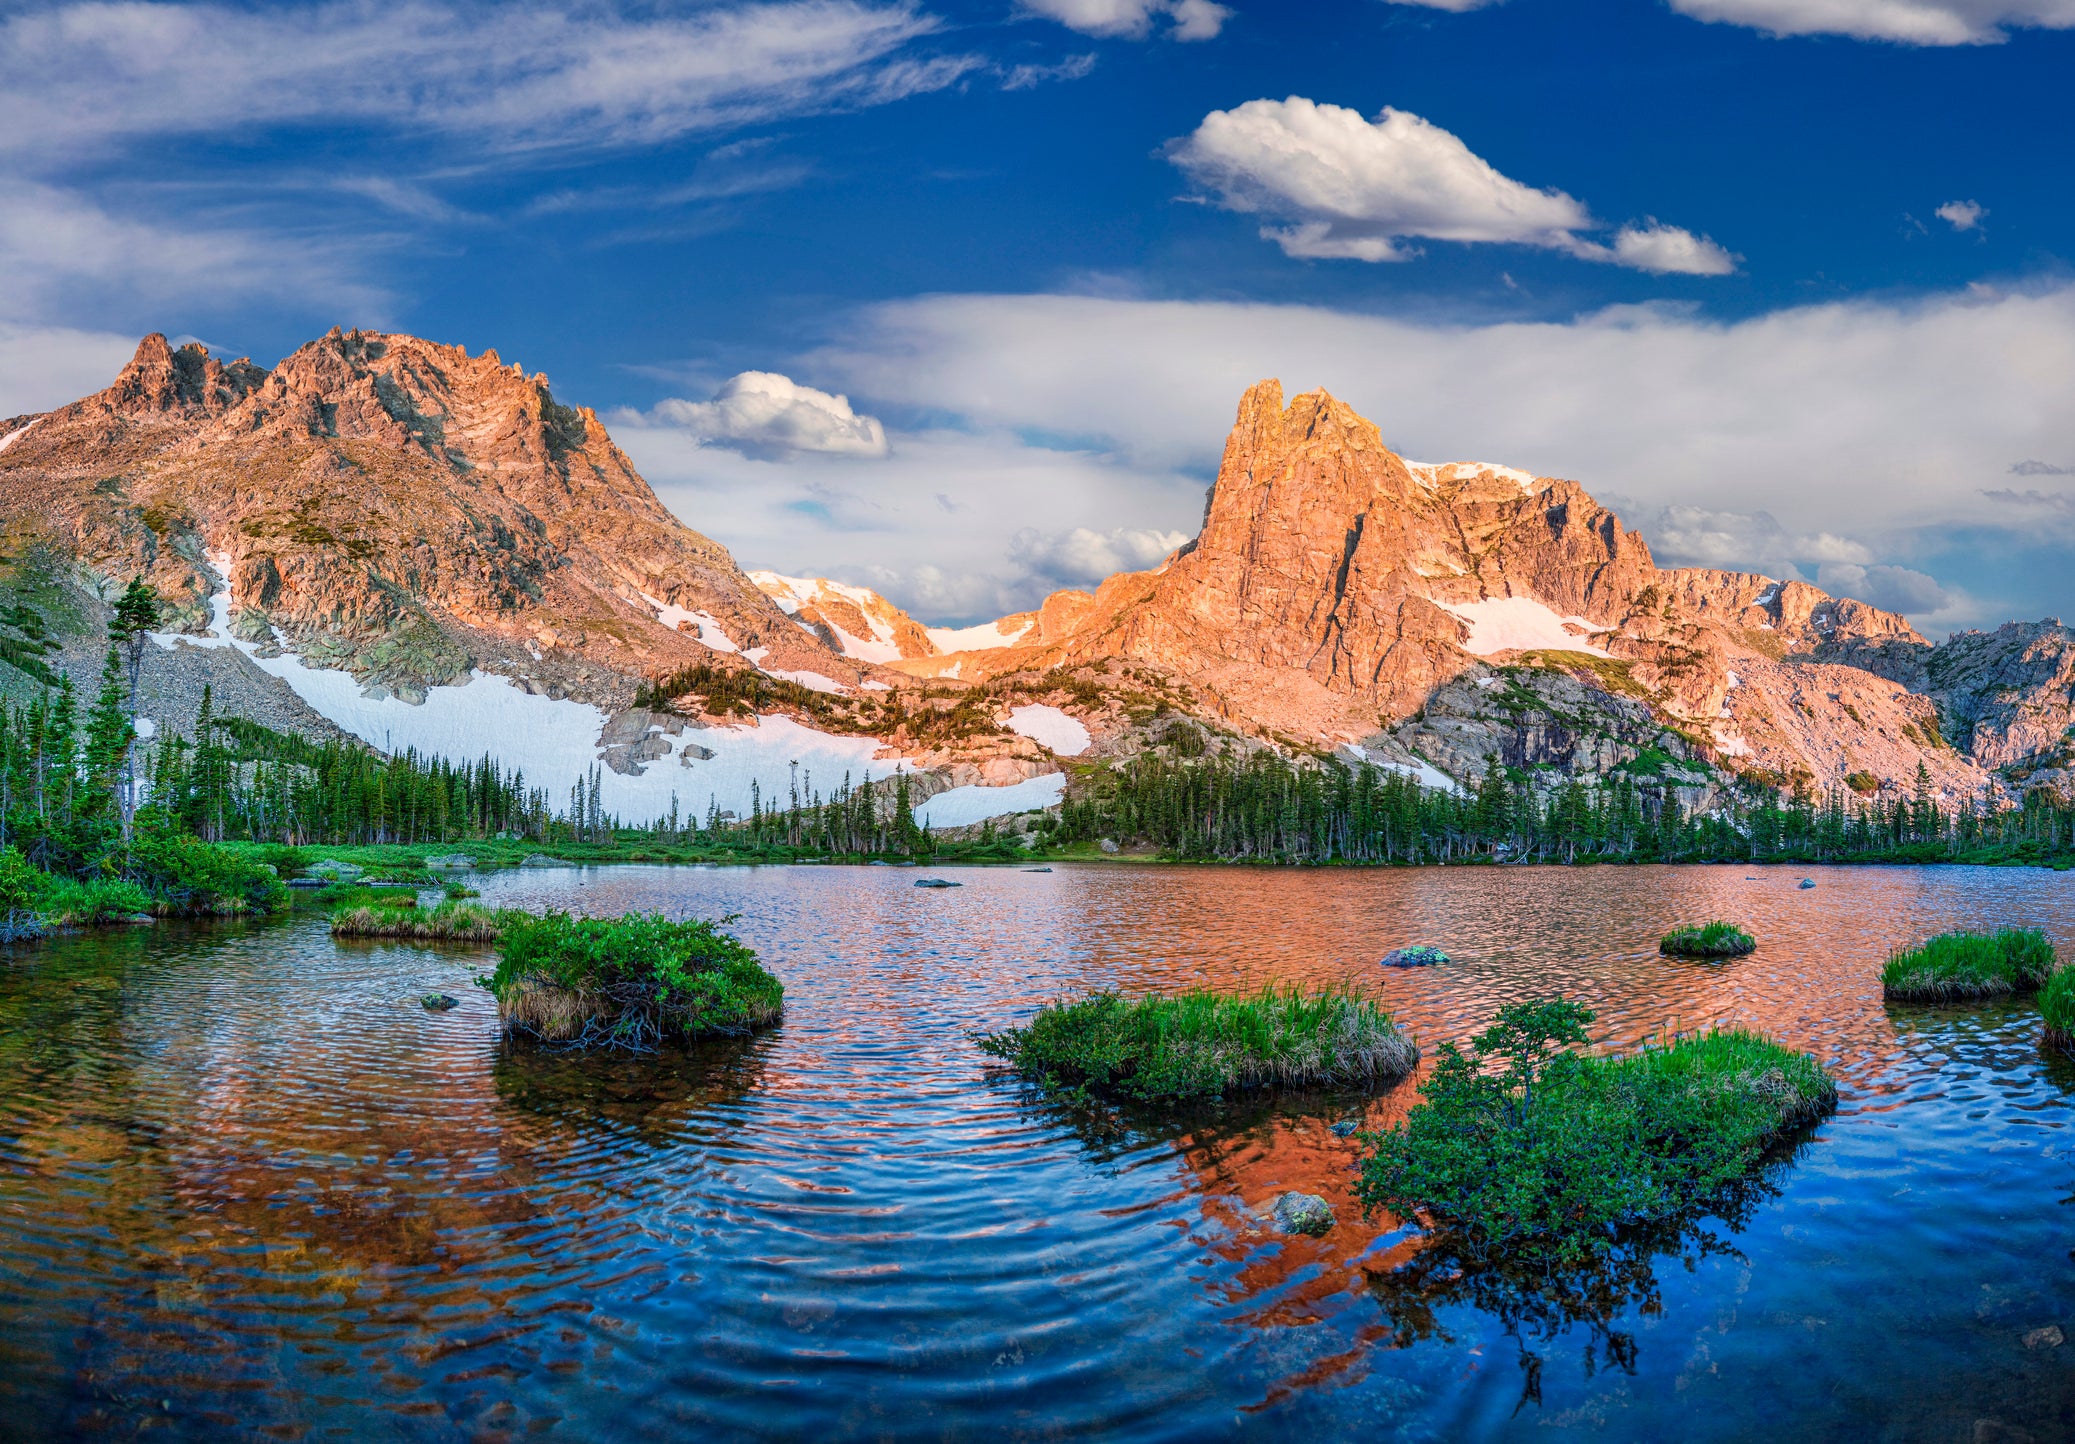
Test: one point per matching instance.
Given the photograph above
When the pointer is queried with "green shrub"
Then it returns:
(1709, 940)
(449, 922)
(1954, 966)
(1528, 1146)
(22, 883)
(1200, 1044)
(71, 902)
(189, 877)
(457, 891)
(2057, 1006)
(629, 982)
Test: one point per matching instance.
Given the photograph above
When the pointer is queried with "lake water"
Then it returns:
(249, 1188)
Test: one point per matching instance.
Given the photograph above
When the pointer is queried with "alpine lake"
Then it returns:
(251, 1189)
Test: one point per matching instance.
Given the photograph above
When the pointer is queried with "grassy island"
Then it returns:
(1709, 940)
(458, 922)
(1525, 1146)
(631, 982)
(1953, 967)
(1201, 1044)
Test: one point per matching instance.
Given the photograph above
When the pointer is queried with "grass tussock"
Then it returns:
(631, 982)
(1201, 1044)
(2057, 1006)
(454, 922)
(1954, 967)
(1526, 1146)
(1709, 940)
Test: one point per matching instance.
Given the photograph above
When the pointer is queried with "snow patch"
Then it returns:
(16, 435)
(1050, 727)
(1433, 473)
(875, 649)
(813, 681)
(147, 728)
(1733, 747)
(1518, 624)
(975, 639)
(964, 806)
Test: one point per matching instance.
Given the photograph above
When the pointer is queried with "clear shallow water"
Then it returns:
(250, 1189)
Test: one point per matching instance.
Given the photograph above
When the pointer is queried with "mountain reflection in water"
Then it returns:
(249, 1188)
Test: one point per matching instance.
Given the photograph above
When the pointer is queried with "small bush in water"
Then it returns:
(1200, 1043)
(457, 891)
(1526, 1146)
(629, 982)
(1709, 940)
(2057, 1006)
(187, 876)
(1954, 966)
(71, 902)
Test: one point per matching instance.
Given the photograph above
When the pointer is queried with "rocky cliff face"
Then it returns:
(1339, 593)
(394, 507)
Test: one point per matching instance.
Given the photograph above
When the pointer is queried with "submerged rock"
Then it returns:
(308, 882)
(1419, 955)
(1347, 1127)
(1808, 882)
(1037, 869)
(936, 882)
(1304, 1213)
(439, 1002)
(2049, 1337)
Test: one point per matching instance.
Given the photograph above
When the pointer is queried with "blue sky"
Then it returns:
(1785, 280)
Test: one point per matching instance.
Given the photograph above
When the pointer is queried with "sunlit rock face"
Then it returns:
(394, 507)
(1337, 591)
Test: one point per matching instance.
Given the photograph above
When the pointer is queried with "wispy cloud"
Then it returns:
(77, 77)
(1904, 22)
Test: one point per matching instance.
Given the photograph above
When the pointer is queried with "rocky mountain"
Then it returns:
(424, 548)
(395, 508)
(1433, 615)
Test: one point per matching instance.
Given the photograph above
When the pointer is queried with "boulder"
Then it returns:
(1418, 955)
(541, 859)
(936, 882)
(1304, 1213)
(439, 1002)
(2049, 1337)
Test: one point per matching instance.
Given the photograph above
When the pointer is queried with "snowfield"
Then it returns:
(1050, 727)
(556, 742)
(964, 806)
(793, 593)
(975, 639)
(1518, 624)
(16, 435)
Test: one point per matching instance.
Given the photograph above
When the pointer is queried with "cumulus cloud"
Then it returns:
(1082, 557)
(1909, 22)
(1896, 589)
(1683, 535)
(1332, 185)
(504, 77)
(762, 414)
(1873, 424)
(1962, 215)
(1133, 19)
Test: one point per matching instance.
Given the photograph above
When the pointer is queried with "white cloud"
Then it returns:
(1898, 589)
(1909, 22)
(1962, 215)
(65, 254)
(765, 415)
(1333, 185)
(955, 526)
(45, 367)
(1133, 19)
(1082, 557)
(1669, 250)
(504, 77)
(1867, 429)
